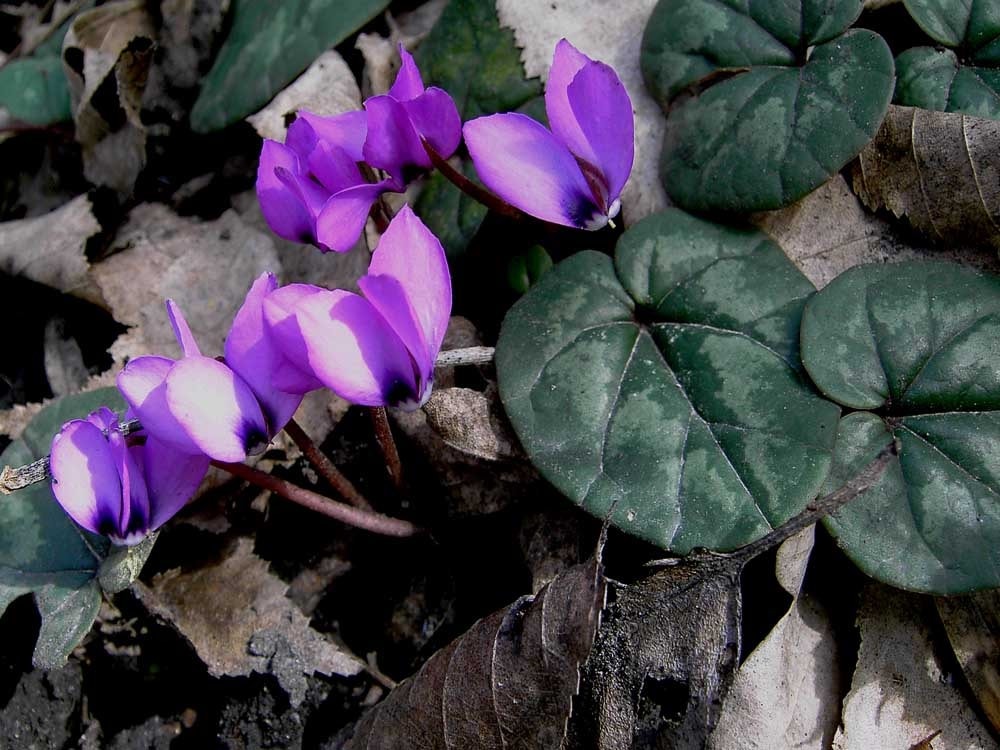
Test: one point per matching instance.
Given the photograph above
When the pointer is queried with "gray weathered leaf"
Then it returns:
(472, 422)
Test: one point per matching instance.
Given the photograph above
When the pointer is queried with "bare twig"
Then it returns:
(473, 355)
(362, 519)
(344, 487)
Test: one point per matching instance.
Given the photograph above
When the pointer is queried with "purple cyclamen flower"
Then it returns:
(195, 404)
(376, 350)
(574, 174)
(312, 189)
(121, 487)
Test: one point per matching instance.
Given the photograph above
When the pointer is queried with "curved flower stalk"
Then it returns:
(121, 487)
(574, 174)
(312, 189)
(195, 404)
(376, 350)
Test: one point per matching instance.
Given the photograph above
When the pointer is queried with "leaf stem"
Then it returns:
(387, 443)
(344, 487)
(362, 519)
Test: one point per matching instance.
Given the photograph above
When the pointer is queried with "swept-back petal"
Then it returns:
(142, 382)
(347, 130)
(182, 331)
(251, 354)
(216, 408)
(103, 418)
(346, 343)
(334, 167)
(344, 214)
(408, 282)
(567, 61)
(393, 143)
(436, 118)
(85, 478)
(294, 376)
(408, 83)
(523, 163)
(133, 520)
(284, 210)
(171, 478)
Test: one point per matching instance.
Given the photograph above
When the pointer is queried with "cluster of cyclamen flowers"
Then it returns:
(377, 349)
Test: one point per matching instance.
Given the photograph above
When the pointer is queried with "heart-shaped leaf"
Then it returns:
(44, 552)
(942, 80)
(268, 45)
(765, 138)
(918, 343)
(662, 387)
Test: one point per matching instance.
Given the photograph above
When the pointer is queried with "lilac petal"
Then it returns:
(436, 118)
(408, 282)
(284, 210)
(172, 478)
(342, 220)
(182, 331)
(523, 163)
(347, 344)
(85, 479)
(566, 63)
(393, 143)
(251, 354)
(408, 84)
(347, 130)
(216, 408)
(104, 419)
(133, 521)
(143, 384)
(603, 111)
(279, 323)
(334, 167)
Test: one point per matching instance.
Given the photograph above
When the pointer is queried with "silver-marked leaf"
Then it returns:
(664, 385)
(920, 342)
(975, 23)
(766, 137)
(685, 42)
(933, 78)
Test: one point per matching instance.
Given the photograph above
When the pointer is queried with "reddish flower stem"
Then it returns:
(325, 466)
(362, 519)
(471, 189)
(383, 434)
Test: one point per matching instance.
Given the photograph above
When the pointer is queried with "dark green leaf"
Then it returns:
(268, 45)
(471, 57)
(972, 23)
(918, 342)
(448, 212)
(34, 90)
(935, 79)
(765, 138)
(44, 552)
(663, 384)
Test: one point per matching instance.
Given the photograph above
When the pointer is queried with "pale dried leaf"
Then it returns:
(795, 668)
(51, 249)
(472, 422)
(973, 626)
(829, 231)
(15, 419)
(939, 169)
(64, 366)
(206, 267)
(613, 35)
(38, 26)
(110, 49)
(326, 88)
(902, 692)
(238, 618)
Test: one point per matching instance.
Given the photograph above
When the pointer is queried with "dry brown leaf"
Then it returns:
(107, 55)
(829, 231)
(973, 626)
(939, 169)
(236, 615)
(326, 88)
(51, 249)
(612, 34)
(901, 692)
(64, 366)
(472, 422)
(206, 267)
(508, 682)
(794, 668)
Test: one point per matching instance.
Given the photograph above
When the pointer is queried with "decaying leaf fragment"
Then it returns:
(901, 693)
(507, 683)
(939, 169)
(238, 618)
(786, 693)
(107, 54)
(473, 422)
(973, 626)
